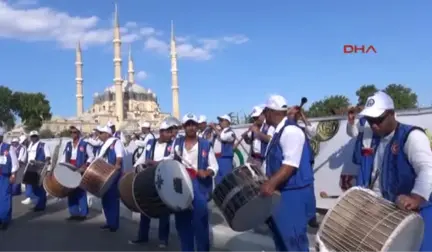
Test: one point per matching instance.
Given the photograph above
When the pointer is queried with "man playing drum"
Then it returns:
(224, 146)
(37, 151)
(399, 163)
(21, 153)
(117, 133)
(112, 151)
(290, 171)
(193, 225)
(258, 136)
(8, 168)
(80, 154)
(155, 151)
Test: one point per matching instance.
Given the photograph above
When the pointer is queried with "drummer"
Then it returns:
(112, 151)
(258, 136)
(156, 151)
(204, 130)
(94, 141)
(21, 153)
(80, 154)
(193, 225)
(37, 151)
(145, 136)
(224, 146)
(290, 171)
(117, 133)
(8, 168)
(403, 157)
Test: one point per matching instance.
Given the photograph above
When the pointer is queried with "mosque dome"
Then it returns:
(128, 87)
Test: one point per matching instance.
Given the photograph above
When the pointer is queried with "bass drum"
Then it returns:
(127, 196)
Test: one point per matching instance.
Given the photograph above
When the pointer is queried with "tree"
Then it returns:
(46, 133)
(328, 106)
(64, 133)
(7, 118)
(234, 118)
(403, 97)
(364, 92)
(33, 108)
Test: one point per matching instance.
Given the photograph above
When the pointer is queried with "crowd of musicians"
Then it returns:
(396, 162)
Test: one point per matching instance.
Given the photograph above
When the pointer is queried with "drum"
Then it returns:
(238, 197)
(146, 195)
(137, 153)
(363, 221)
(34, 173)
(126, 191)
(63, 180)
(174, 185)
(98, 177)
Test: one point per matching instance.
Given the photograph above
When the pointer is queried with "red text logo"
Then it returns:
(349, 49)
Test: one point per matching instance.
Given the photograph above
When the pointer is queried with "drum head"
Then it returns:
(70, 166)
(254, 213)
(108, 183)
(408, 236)
(174, 185)
(67, 177)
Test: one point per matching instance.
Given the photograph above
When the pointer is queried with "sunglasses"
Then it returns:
(376, 120)
(73, 132)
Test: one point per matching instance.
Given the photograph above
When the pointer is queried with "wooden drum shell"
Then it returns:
(96, 177)
(125, 188)
(54, 188)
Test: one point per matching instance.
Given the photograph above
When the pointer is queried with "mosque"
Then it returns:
(124, 103)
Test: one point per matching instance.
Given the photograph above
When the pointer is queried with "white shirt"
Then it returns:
(291, 141)
(33, 148)
(191, 158)
(256, 142)
(143, 143)
(121, 137)
(418, 151)
(310, 130)
(226, 135)
(158, 154)
(14, 159)
(74, 153)
(118, 147)
(354, 129)
(22, 155)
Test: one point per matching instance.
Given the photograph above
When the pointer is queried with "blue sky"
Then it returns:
(234, 53)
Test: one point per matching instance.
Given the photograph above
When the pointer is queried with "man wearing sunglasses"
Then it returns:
(80, 154)
(401, 168)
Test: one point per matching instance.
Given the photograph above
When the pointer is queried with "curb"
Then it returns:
(221, 236)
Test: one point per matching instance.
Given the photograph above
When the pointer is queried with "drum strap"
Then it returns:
(374, 179)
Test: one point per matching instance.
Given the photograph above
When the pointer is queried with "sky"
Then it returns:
(232, 54)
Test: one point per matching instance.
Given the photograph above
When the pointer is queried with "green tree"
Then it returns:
(403, 97)
(7, 118)
(364, 92)
(234, 118)
(46, 133)
(64, 133)
(33, 108)
(328, 105)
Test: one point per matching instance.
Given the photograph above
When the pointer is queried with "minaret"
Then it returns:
(117, 69)
(79, 81)
(174, 77)
(131, 71)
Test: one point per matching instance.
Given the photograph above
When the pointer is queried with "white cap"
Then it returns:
(189, 117)
(257, 111)
(164, 125)
(276, 102)
(15, 140)
(377, 104)
(202, 119)
(34, 133)
(78, 127)
(2, 131)
(104, 129)
(22, 138)
(144, 125)
(224, 117)
(110, 124)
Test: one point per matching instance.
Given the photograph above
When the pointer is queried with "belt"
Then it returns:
(218, 155)
(192, 173)
(72, 162)
(257, 156)
(367, 151)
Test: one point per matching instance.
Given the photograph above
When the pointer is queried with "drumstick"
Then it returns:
(239, 141)
(324, 195)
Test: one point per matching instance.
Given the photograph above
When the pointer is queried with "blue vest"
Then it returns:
(117, 134)
(204, 146)
(264, 145)
(40, 152)
(227, 148)
(5, 169)
(397, 174)
(303, 176)
(81, 157)
(151, 147)
(111, 155)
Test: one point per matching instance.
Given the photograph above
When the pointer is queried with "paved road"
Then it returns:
(49, 231)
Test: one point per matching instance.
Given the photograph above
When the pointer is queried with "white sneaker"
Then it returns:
(27, 201)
